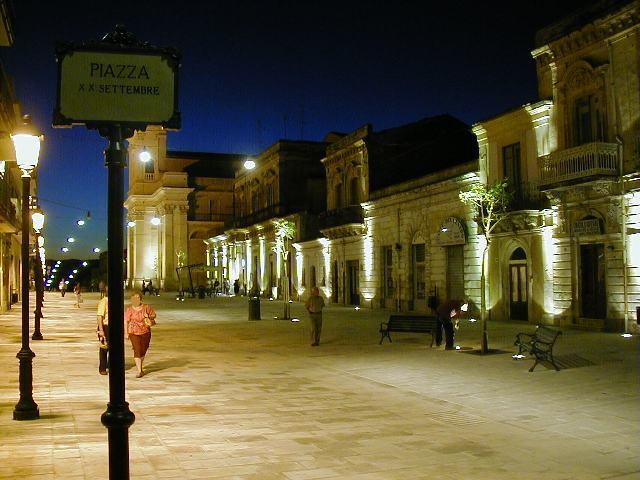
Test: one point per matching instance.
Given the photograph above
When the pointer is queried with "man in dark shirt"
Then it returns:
(446, 312)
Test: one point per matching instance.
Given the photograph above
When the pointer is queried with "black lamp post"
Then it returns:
(38, 223)
(27, 144)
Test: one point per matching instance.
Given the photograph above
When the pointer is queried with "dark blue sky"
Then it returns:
(254, 72)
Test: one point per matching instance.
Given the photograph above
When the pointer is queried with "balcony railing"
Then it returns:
(273, 211)
(341, 216)
(579, 163)
(209, 217)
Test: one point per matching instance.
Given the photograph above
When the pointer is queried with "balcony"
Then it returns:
(342, 222)
(268, 213)
(527, 196)
(209, 217)
(578, 164)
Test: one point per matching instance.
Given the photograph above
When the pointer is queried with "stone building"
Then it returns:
(379, 222)
(287, 182)
(390, 195)
(176, 200)
(10, 181)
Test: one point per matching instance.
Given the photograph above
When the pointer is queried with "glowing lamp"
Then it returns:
(37, 218)
(71, 239)
(96, 250)
(64, 249)
(249, 164)
(80, 223)
(155, 221)
(26, 141)
(144, 155)
(131, 224)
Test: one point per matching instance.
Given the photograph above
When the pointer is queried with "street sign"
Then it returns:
(107, 84)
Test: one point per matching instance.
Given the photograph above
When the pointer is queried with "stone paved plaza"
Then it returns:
(235, 399)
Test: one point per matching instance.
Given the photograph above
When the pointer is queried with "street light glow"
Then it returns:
(80, 223)
(84, 264)
(64, 249)
(131, 224)
(75, 270)
(249, 164)
(144, 155)
(71, 239)
(155, 221)
(96, 250)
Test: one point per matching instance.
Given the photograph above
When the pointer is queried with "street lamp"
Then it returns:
(37, 219)
(26, 141)
(249, 164)
(144, 155)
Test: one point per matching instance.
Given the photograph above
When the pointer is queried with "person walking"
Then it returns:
(103, 332)
(138, 320)
(314, 305)
(78, 292)
(446, 312)
(63, 288)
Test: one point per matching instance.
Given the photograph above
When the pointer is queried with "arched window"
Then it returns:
(518, 254)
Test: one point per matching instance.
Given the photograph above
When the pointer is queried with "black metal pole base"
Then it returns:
(26, 408)
(37, 336)
(118, 418)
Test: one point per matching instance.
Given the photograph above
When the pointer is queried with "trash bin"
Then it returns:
(254, 308)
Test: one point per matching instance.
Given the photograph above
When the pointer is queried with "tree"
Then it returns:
(285, 230)
(490, 205)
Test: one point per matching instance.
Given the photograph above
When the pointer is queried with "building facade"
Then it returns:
(379, 221)
(10, 177)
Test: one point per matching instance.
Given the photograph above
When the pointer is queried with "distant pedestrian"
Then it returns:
(236, 287)
(78, 292)
(138, 320)
(144, 287)
(225, 286)
(103, 333)
(216, 287)
(314, 306)
(446, 312)
(63, 288)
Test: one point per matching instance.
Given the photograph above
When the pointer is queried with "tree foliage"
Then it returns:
(491, 204)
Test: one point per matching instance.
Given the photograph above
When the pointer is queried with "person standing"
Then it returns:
(138, 320)
(314, 305)
(446, 312)
(103, 332)
(78, 292)
(63, 288)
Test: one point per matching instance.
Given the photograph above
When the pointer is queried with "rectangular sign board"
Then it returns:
(99, 87)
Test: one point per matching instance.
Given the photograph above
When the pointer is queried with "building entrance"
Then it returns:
(592, 281)
(518, 281)
(353, 294)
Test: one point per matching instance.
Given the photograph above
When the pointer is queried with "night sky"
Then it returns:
(254, 72)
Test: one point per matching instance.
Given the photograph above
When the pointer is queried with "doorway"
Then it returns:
(592, 281)
(518, 286)
(353, 270)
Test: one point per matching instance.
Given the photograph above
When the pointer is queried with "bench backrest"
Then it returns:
(546, 334)
(411, 323)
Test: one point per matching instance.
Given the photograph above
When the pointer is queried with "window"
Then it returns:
(354, 190)
(270, 194)
(149, 166)
(387, 271)
(589, 120)
(511, 164)
(255, 201)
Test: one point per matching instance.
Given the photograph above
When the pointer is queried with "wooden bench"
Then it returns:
(539, 344)
(408, 324)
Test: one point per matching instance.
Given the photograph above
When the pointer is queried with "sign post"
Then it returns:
(117, 85)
